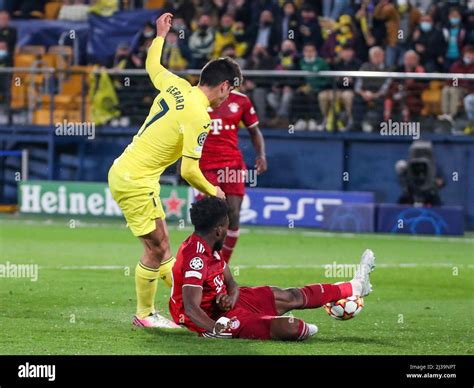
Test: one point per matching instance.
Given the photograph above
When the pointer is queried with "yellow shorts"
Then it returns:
(139, 200)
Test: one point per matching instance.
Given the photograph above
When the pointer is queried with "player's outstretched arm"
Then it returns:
(153, 64)
(191, 172)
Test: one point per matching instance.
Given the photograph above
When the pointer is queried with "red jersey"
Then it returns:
(221, 148)
(197, 266)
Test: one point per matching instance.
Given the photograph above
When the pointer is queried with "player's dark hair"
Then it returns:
(208, 213)
(220, 70)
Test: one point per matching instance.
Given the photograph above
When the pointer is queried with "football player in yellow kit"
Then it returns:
(176, 127)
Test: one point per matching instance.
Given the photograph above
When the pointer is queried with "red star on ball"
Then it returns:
(174, 204)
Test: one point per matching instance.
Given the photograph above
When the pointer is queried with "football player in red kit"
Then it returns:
(206, 299)
(222, 163)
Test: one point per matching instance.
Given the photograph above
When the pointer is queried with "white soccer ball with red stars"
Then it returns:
(346, 308)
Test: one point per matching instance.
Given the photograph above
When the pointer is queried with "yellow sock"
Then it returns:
(166, 268)
(145, 285)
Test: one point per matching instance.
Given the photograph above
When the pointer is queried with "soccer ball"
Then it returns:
(345, 309)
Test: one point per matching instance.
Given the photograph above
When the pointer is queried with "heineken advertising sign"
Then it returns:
(90, 199)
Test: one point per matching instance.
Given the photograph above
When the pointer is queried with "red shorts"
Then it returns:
(254, 311)
(230, 179)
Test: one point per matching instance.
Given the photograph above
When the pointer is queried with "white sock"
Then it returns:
(356, 287)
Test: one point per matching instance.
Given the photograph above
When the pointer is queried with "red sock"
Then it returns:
(317, 295)
(229, 244)
(303, 330)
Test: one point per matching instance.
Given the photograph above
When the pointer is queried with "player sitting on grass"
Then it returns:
(206, 299)
(175, 128)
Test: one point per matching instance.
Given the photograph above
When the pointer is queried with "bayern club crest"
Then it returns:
(235, 324)
(234, 107)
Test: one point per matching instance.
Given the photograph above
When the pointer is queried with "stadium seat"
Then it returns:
(431, 98)
(42, 116)
(63, 56)
(33, 49)
(20, 81)
(51, 10)
(23, 60)
(154, 4)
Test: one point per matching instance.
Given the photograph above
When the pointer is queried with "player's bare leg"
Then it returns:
(156, 262)
(156, 245)
(235, 203)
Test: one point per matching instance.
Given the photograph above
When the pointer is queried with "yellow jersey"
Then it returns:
(177, 125)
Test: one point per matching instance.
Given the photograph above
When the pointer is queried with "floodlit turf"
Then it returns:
(83, 300)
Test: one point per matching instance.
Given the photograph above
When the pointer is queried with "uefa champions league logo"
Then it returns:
(347, 219)
(416, 220)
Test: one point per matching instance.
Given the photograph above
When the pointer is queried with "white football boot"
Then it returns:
(312, 329)
(155, 321)
(361, 283)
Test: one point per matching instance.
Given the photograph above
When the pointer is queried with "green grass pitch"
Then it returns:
(83, 300)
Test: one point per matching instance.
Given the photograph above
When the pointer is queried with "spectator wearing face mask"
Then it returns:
(289, 21)
(442, 8)
(454, 35)
(148, 33)
(305, 100)
(183, 32)
(224, 35)
(172, 57)
(428, 42)
(201, 43)
(309, 30)
(241, 45)
(265, 33)
(452, 95)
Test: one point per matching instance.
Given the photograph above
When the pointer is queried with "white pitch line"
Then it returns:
(88, 267)
(256, 230)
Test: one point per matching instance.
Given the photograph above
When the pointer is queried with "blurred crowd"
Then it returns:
(401, 35)
(374, 35)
